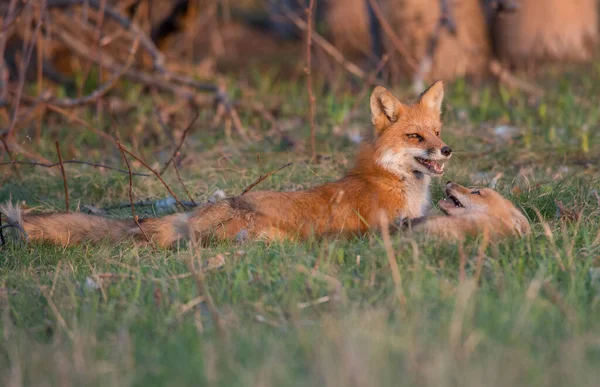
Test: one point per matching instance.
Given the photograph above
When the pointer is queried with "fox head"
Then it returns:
(461, 200)
(408, 136)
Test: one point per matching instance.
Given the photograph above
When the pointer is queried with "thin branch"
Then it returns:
(385, 233)
(263, 178)
(2, 241)
(10, 157)
(178, 147)
(325, 45)
(100, 91)
(157, 56)
(154, 172)
(389, 31)
(203, 292)
(38, 164)
(183, 184)
(506, 77)
(135, 217)
(64, 176)
(361, 95)
(22, 70)
(311, 97)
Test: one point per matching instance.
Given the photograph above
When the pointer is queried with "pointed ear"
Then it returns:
(432, 97)
(385, 108)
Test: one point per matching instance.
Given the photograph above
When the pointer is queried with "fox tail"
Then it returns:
(74, 228)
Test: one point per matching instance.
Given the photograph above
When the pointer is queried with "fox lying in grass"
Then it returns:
(472, 212)
(392, 175)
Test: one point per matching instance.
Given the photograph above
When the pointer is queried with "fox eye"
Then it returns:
(476, 192)
(414, 135)
(437, 133)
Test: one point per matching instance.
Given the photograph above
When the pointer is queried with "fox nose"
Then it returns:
(446, 150)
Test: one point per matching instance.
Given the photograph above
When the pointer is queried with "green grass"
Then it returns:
(531, 318)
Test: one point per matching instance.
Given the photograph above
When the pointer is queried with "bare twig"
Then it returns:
(203, 292)
(311, 97)
(361, 95)
(263, 178)
(100, 91)
(157, 56)
(178, 147)
(73, 117)
(10, 156)
(37, 164)
(389, 31)
(64, 176)
(2, 241)
(325, 45)
(385, 233)
(506, 77)
(59, 318)
(135, 217)
(154, 172)
(183, 185)
(22, 70)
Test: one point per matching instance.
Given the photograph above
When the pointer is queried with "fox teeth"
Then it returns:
(431, 164)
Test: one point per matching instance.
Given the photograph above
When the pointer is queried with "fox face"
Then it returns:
(408, 137)
(461, 200)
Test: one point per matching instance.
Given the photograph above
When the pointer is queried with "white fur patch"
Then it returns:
(416, 190)
(13, 213)
(394, 162)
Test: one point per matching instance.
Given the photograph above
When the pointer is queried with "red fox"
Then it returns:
(472, 212)
(392, 174)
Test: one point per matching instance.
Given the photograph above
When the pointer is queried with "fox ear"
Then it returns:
(385, 108)
(432, 97)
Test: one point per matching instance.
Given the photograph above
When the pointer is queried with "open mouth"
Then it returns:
(432, 166)
(452, 199)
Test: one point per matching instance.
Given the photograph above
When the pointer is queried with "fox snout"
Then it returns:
(442, 150)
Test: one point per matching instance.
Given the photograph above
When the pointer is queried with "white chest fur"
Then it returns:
(417, 197)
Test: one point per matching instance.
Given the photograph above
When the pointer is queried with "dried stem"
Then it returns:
(385, 233)
(10, 157)
(99, 92)
(389, 31)
(135, 217)
(22, 70)
(2, 241)
(361, 95)
(203, 292)
(157, 56)
(325, 45)
(506, 77)
(178, 147)
(154, 172)
(263, 178)
(311, 97)
(64, 176)
(183, 184)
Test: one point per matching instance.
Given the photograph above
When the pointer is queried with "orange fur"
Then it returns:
(473, 212)
(392, 174)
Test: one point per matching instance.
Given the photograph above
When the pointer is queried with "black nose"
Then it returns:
(446, 150)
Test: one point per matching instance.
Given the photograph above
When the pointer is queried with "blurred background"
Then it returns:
(73, 53)
(213, 95)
